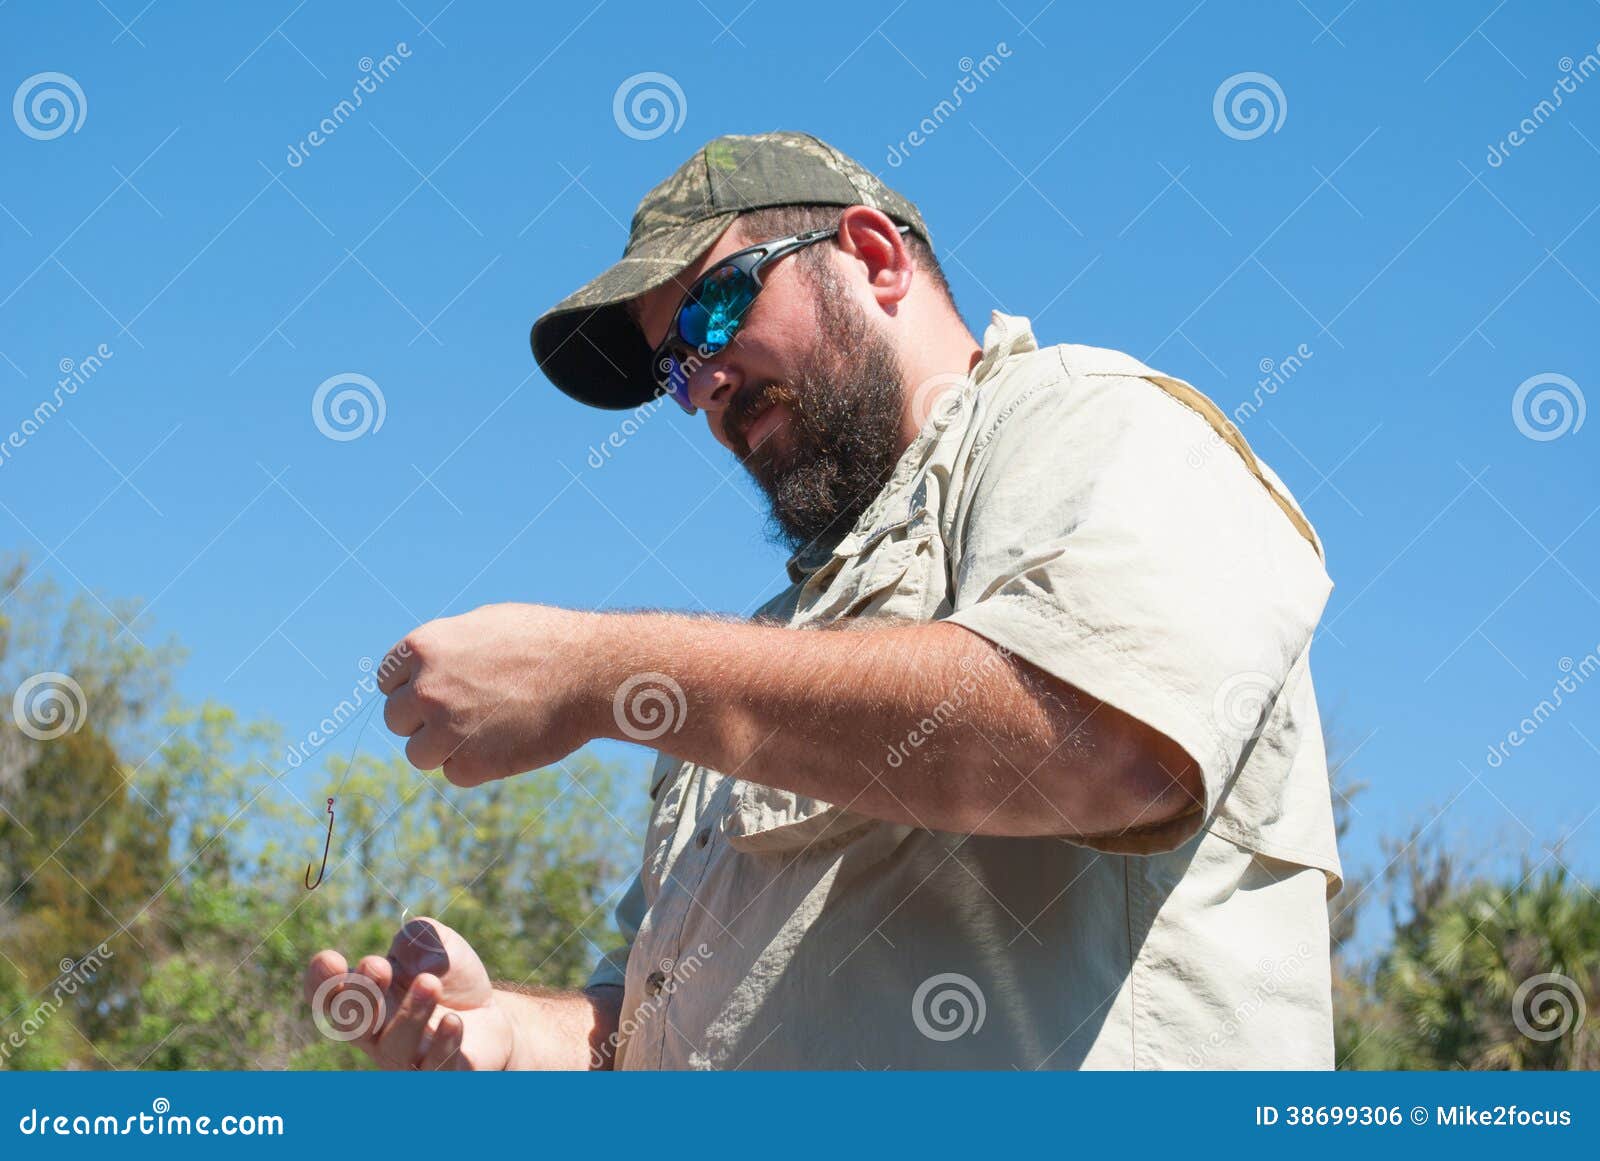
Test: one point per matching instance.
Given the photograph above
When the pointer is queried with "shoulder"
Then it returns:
(1090, 399)
(1080, 420)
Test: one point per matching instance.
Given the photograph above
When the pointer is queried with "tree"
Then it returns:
(167, 834)
(1479, 974)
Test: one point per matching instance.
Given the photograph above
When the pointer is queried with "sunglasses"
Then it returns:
(714, 308)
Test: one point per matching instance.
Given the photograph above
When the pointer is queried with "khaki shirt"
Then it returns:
(1082, 512)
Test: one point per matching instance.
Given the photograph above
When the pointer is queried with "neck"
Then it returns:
(938, 355)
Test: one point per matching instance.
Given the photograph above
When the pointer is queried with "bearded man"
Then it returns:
(1022, 768)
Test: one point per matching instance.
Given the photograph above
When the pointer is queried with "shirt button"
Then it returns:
(703, 837)
(654, 981)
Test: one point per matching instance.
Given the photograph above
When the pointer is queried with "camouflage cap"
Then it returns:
(588, 346)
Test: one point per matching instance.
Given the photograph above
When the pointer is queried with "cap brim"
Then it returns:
(588, 346)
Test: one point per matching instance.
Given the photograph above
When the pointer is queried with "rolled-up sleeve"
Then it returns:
(1107, 535)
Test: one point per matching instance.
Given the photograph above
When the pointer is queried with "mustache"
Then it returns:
(751, 402)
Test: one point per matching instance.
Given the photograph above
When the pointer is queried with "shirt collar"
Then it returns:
(1005, 336)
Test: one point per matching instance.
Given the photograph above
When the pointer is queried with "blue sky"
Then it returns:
(1088, 182)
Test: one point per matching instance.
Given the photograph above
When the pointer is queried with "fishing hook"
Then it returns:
(310, 886)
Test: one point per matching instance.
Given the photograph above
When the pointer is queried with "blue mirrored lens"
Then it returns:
(710, 321)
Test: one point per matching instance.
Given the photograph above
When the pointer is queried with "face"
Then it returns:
(808, 395)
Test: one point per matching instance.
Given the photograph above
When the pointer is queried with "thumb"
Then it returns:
(418, 947)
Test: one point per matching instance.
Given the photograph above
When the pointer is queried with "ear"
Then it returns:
(870, 238)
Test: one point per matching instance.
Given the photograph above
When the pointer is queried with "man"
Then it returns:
(1023, 769)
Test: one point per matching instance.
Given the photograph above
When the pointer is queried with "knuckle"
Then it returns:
(415, 645)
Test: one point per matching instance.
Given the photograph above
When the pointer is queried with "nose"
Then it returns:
(713, 384)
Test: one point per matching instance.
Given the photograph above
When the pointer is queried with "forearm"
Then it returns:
(925, 725)
(561, 1030)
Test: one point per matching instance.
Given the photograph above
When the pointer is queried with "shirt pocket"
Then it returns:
(892, 572)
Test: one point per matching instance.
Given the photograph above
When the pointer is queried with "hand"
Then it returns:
(428, 1006)
(491, 693)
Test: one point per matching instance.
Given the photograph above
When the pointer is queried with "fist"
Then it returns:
(494, 692)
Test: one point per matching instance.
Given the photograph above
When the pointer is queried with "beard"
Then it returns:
(843, 431)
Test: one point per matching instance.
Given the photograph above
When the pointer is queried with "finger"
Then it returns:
(376, 983)
(347, 1006)
(398, 1046)
(463, 771)
(444, 1053)
(427, 748)
(397, 666)
(402, 712)
(322, 967)
(418, 947)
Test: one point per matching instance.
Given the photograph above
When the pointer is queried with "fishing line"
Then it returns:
(349, 766)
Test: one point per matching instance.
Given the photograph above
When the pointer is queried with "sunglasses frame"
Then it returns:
(674, 351)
